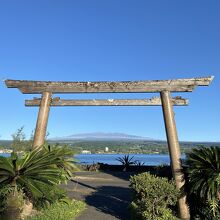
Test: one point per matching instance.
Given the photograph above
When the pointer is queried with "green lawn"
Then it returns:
(60, 211)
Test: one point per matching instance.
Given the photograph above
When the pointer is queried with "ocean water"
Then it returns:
(5, 155)
(147, 159)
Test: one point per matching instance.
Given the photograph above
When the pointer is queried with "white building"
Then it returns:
(85, 152)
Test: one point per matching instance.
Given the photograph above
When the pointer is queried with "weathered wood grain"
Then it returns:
(42, 119)
(174, 150)
(155, 101)
(175, 85)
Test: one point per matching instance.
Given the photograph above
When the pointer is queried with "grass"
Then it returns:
(60, 211)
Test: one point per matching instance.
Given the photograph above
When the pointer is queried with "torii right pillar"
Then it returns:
(174, 150)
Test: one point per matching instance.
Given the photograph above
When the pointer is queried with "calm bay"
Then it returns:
(147, 159)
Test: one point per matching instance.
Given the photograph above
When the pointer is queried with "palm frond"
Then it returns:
(37, 169)
(203, 168)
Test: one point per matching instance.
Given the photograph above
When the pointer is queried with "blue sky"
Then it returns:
(111, 40)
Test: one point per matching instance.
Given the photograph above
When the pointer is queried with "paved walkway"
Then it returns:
(107, 195)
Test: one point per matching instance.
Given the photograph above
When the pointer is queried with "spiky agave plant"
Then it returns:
(203, 170)
(126, 161)
(139, 163)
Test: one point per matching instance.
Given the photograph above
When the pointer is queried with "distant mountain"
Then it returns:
(100, 136)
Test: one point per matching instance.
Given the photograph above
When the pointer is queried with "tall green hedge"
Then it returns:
(153, 198)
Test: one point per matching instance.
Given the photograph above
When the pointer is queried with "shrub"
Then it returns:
(51, 195)
(153, 197)
(11, 197)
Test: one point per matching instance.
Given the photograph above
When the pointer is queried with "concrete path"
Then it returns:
(107, 195)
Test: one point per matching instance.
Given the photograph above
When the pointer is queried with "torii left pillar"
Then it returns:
(43, 114)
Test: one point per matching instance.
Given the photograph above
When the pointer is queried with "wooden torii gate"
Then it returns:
(164, 87)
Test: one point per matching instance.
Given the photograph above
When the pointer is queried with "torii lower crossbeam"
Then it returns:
(155, 101)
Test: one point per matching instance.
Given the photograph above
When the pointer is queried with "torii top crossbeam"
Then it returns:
(176, 85)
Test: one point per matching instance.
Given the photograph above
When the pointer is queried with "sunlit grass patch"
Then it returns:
(60, 211)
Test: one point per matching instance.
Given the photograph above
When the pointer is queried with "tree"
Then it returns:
(18, 143)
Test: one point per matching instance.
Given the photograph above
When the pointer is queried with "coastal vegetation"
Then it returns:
(60, 211)
(126, 161)
(32, 180)
(154, 198)
(203, 172)
(117, 147)
(130, 146)
(20, 142)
